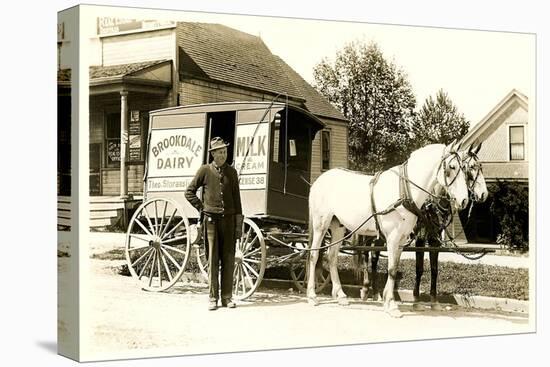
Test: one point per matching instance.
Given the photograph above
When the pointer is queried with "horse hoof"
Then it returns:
(418, 307)
(343, 302)
(436, 307)
(395, 313)
(313, 301)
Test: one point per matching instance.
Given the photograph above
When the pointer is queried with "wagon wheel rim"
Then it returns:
(157, 244)
(299, 271)
(250, 261)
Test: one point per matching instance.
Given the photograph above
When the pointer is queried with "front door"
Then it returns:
(95, 169)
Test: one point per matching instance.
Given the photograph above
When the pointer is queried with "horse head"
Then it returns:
(474, 174)
(451, 176)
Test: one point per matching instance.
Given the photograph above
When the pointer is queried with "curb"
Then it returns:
(405, 295)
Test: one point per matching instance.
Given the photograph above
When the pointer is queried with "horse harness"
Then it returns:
(405, 197)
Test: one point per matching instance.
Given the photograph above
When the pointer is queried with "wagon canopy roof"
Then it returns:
(215, 51)
(236, 106)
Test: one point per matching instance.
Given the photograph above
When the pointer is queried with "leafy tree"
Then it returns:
(510, 205)
(439, 121)
(377, 99)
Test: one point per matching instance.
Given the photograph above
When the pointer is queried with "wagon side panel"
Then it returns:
(252, 147)
(175, 153)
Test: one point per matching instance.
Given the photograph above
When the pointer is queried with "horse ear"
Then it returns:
(452, 147)
(478, 148)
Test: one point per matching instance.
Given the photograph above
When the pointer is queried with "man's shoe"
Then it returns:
(229, 304)
(212, 306)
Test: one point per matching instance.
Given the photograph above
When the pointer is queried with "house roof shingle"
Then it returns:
(235, 57)
(97, 72)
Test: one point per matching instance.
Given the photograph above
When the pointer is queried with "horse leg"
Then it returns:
(319, 231)
(394, 253)
(364, 258)
(434, 265)
(374, 266)
(337, 234)
(419, 272)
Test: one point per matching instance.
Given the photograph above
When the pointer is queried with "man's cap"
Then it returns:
(217, 143)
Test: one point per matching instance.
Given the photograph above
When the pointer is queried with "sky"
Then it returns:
(476, 68)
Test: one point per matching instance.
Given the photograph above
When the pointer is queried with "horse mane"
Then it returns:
(424, 148)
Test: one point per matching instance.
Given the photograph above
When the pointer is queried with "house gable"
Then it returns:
(494, 132)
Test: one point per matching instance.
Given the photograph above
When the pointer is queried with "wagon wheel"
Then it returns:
(202, 259)
(299, 271)
(157, 244)
(250, 261)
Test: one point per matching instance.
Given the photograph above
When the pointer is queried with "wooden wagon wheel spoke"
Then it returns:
(252, 253)
(168, 223)
(152, 268)
(156, 219)
(248, 245)
(149, 221)
(175, 239)
(243, 282)
(172, 248)
(139, 237)
(256, 274)
(142, 257)
(166, 268)
(245, 267)
(173, 229)
(161, 266)
(160, 231)
(144, 229)
(146, 263)
(170, 258)
(139, 247)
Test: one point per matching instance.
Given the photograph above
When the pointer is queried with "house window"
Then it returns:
(325, 150)
(517, 143)
(112, 139)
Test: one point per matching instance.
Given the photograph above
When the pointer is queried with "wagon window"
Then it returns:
(276, 141)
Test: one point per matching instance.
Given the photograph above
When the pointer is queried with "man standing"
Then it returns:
(223, 219)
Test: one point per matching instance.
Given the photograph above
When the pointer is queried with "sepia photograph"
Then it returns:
(235, 183)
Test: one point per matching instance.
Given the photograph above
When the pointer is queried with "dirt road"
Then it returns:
(123, 321)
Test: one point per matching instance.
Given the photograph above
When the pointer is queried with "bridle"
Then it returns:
(447, 167)
(467, 168)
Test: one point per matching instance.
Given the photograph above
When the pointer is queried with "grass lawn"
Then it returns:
(454, 278)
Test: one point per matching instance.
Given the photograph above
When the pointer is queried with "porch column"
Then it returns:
(123, 144)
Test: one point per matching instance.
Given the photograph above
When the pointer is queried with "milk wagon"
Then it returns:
(270, 147)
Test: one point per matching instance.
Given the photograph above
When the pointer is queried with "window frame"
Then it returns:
(329, 132)
(522, 126)
(107, 139)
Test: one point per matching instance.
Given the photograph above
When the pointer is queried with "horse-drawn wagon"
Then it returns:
(270, 147)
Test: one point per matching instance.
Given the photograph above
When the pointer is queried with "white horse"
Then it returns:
(341, 199)
(474, 175)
